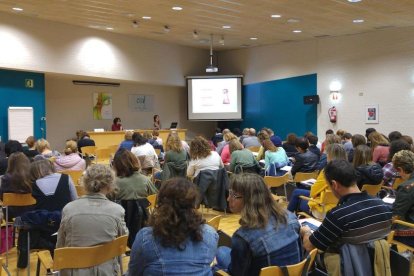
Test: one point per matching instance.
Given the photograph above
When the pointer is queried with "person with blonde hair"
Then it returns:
(93, 220)
(45, 151)
(380, 147)
(274, 155)
(225, 153)
(31, 151)
(128, 143)
(268, 234)
(71, 160)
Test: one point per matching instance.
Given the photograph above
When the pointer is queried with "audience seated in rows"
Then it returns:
(175, 160)
(367, 171)
(93, 220)
(305, 160)
(269, 235)
(218, 137)
(241, 157)
(330, 139)
(45, 151)
(71, 160)
(313, 142)
(356, 140)
(380, 147)
(177, 241)
(276, 140)
(30, 151)
(221, 144)
(390, 174)
(142, 149)
(128, 143)
(202, 158)
(327, 132)
(10, 147)
(290, 145)
(347, 142)
(274, 155)
(245, 133)
(225, 152)
(251, 140)
(85, 141)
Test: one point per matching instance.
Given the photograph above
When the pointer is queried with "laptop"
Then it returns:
(173, 125)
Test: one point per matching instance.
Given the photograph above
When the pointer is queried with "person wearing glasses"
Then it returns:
(268, 234)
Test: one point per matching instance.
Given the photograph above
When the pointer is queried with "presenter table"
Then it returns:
(109, 138)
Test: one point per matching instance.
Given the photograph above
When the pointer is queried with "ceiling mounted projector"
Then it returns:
(211, 68)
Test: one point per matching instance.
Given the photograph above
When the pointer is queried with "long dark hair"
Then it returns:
(18, 168)
(175, 218)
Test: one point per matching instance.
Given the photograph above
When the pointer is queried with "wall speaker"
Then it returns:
(314, 99)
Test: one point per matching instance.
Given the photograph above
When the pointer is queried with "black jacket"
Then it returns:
(369, 174)
(305, 162)
(213, 185)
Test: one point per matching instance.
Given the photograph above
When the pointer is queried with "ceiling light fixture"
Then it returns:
(253, 38)
(167, 29)
(275, 16)
(211, 68)
(135, 24)
(177, 8)
(226, 27)
(195, 34)
(354, 1)
(17, 9)
(358, 21)
(221, 41)
(146, 17)
(297, 31)
(109, 28)
(293, 20)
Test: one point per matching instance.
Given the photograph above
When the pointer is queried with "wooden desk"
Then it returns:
(108, 138)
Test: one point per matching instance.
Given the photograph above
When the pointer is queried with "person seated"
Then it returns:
(313, 141)
(85, 141)
(318, 189)
(290, 145)
(251, 140)
(218, 137)
(268, 234)
(128, 143)
(183, 245)
(330, 139)
(323, 145)
(394, 135)
(245, 133)
(130, 182)
(262, 136)
(71, 160)
(380, 148)
(274, 155)
(390, 174)
(403, 207)
(175, 160)
(93, 220)
(358, 218)
(117, 126)
(225, 153)
(305, 160)
(16, 180)
(142, 149)
(2, 152)
(357, 139)
(10, 147)
(156, 137)
(202, 158)
(31, 151)
(367, 171)
(276, 140)
(154, 141)
(220, 145)
(241, 157)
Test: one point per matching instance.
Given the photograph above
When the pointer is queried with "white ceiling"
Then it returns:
(247, 18)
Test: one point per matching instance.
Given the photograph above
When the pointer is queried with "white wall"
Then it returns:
(380, 65)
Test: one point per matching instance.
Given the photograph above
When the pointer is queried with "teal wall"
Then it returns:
(13, 92)
(278, 104)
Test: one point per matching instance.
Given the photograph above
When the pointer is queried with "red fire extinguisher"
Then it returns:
(332, 114)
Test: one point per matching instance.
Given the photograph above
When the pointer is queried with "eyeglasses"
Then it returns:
(234, 195)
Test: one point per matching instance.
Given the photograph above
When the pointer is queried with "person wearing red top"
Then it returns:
(116, 126)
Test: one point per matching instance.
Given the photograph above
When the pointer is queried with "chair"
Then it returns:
(14, 200)
(327, 198)
(113, 149)
(397, 183)
(277, 181)
(302, 176)
(88, 151)
(3, 271)
(75, 175)
(152, 200)
(147, 164)
(80, 190)
(254, 148)
(103, 156)
(301, 268)
(83, 257)
(399, 244)
(371, 189)
(215, 222)
(158, 152)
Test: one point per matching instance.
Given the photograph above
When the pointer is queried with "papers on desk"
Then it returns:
(286, 168)
(389, 200)
(308, 182)
(312, 223)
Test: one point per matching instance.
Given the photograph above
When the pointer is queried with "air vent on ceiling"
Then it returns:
(96, 83)
(384, 27)
(321, 36)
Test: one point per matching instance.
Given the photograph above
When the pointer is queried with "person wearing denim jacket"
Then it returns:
(254, 246)
(178, 242)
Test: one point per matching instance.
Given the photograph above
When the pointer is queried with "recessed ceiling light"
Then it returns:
(226, 27)
(177, 8)
(354, 1)
(275, 16)
(109, 28)
(293, 20)
(358, 21)
(146, 17)
(17, 9)
(297, 31)
(128, 14)
(253, 38)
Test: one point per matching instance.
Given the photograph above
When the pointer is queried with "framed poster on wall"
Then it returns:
(143, 103)
(102, 106)
(371, 114)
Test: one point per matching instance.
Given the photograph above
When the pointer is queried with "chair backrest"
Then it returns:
(83, 257)
(371, 189)
(254, 148)
(152, 199)
(13, 199)
(103, 155)
(296, 269)
(75, 175)
(302, 176)
(158, 152)
(215, 222)
(80, 190)
(113, 149)
(397, 183)
(88, 150)
(276, 181)
(391, 235)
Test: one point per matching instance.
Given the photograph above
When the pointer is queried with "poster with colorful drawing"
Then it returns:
(371, 114)
(102, 106)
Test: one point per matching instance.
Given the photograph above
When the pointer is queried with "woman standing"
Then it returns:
(202, 157)
(268, 235)
(178, 242)
(93, 220)
(157, 122)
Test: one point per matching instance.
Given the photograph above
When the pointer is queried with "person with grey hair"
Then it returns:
(251, 140)
(221, 144)
(93, 219)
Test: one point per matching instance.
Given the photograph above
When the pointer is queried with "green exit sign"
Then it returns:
(29, 83)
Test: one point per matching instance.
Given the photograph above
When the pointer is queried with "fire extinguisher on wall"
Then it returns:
(332, 114)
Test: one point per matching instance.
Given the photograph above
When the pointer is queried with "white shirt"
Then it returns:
(145, 149)
(211, 162)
